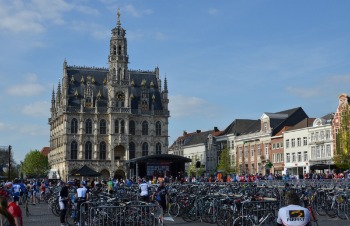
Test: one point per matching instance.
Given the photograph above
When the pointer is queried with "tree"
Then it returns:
(342, 153)
(225, 163)
(35, 164)
(4, 161)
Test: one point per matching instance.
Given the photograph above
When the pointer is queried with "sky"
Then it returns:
(224, 60)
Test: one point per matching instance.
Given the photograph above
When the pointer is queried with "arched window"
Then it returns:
(74, 126)
(103, 127)
(145, 149)
(132, 127)
(158, 129)
(74, 150)
(122, 127)
(88, 126)
(132, 150)
(88, 150)
(158, 149)
(119, 50)
(119, 73)
(144, 128)
(103, 150)
(114, 50)
(116, 126)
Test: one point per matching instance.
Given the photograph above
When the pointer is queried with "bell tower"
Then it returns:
(118, 75)
(118, 58)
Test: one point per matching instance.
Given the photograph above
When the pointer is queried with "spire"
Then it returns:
(165, 84)
(58, 96)
(118, 18)
(53, 97)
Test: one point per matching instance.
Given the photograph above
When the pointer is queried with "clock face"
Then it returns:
(120, 96)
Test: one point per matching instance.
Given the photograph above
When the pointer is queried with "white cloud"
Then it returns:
(183, 106)
(304, 92)
(25, 90)
(339, 79)
(130, 9)
(213, 11)
(37, 109)
(160, 36)
(31, 16)
(135, 35)
(93, 29)
(33, 130)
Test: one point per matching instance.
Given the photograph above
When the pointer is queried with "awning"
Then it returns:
(161, 157)
(85, 171)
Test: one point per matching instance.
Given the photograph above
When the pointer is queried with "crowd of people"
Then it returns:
(11, 193)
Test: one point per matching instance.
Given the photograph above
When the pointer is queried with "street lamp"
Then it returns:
(9, 170)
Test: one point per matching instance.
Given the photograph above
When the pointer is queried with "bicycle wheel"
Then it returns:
(342, 212)
(174, 210)
(320, 209)
(242, 221)
(70, 216)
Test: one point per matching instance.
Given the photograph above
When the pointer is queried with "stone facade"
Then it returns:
(102, 117)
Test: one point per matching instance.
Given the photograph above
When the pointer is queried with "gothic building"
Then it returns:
(102, 117)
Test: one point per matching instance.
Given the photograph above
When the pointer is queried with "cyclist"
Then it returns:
(144, 186)
(161, 195)
(63, 200)
(293, 214)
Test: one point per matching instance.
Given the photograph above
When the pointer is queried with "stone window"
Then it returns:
(74, 126)
(74, 150)
(102, 150)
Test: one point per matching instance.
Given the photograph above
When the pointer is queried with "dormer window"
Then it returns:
(265, 127)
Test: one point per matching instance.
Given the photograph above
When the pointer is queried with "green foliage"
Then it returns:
(35, 164)
(4, 161)
(342, 153)
(224, 163)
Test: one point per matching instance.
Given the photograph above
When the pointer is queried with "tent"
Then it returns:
(85, 171)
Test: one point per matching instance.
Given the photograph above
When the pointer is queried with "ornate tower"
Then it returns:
(118, 59)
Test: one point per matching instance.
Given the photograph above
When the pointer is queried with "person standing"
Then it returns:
(16, 191)
(82, 196)
(161, 195)
(6, 218)
(144, 196)
(63, 201)
(293, 214)
(16, 212)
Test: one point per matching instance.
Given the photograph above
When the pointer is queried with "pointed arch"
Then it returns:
(88, 150)
(158, 128)
(145, 149)
(144, 128)
(158, 149)
(74, 126)
(103, 150)
(88, 126)
(132, 150)
(122, 126)
(132, 127)
(103, 126)
(74, 150)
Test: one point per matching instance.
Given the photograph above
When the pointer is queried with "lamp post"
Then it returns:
(9, 171)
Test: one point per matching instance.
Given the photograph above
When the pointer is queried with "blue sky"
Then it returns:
(223, 59)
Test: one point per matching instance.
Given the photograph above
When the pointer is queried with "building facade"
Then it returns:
(101, 117)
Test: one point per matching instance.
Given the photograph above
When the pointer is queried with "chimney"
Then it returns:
(198, 131)
(184, 133)
(216, 129)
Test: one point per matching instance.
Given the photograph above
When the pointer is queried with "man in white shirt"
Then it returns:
(144, 196)
(82, 196)
(293, 214)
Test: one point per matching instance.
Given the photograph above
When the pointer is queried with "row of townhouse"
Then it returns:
(277, 142)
